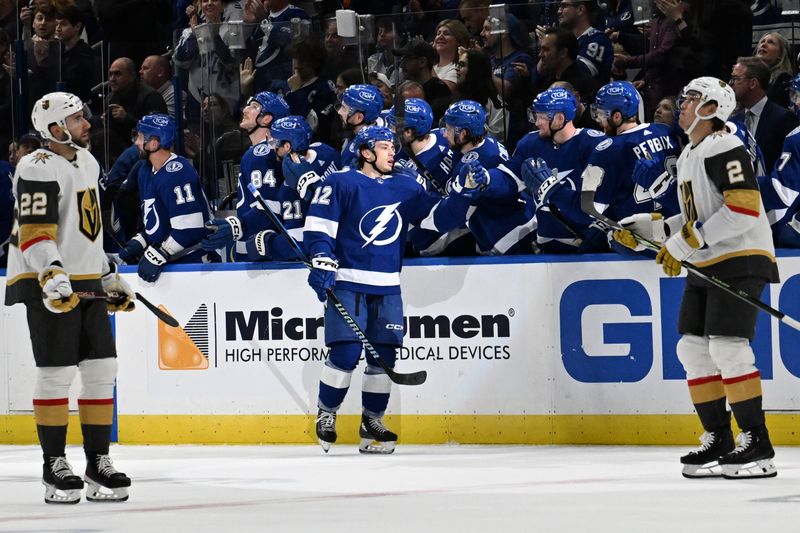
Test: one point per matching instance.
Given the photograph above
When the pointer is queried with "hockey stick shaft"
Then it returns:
(414, 378)
(422, 170)
(587, 205)
(102, 295)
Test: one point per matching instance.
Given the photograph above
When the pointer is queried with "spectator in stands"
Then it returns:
(774, 50)
(654, 80)
(558, 61)
(338, 56)
(156, 73)
(130, 100)
(382, 61)
(347, 78)
(666, 112)
(79, 69)
(44, 24)
(211, 70)
(417, 60)
(132, 27)
(310, 94)
(475, 83)
(385, 86)
(473, 13)
(8, 18)
(595, 50)
(411, 89)
(768, 122)
(450, 36)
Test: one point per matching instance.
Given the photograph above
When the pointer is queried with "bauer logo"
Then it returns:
(184, 348)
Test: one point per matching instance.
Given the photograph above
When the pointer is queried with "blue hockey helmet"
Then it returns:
(466, 115)
(794, 94)
(271, 103)
(616, 96)
(161, 127)
(365, 98)
(387, 118)
(418, 116)
(372, 134)
(552, 101)
(293, 129)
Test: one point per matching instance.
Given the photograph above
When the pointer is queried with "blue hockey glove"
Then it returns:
(595, 239)
(535, 172)
(471, 181)
(152, 263)
(323, 274)
(222, 232)
(300, 175)
(258, 246)
(647, 171)
(133, 250)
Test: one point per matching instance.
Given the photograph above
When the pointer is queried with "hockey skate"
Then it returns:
(326, 429)
(704, 461)
(375, 438)
(752, 457)
(61, 484)
(105, 484)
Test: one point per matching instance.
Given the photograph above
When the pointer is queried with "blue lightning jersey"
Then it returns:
(502, 219)
(273, 58)
(569, 159)
(436, 156)
(318, 96)
(596, 54)
(174, 207)
(349, 157)
(259, 166)
(362, 221)
(780, 192)
(618, 195)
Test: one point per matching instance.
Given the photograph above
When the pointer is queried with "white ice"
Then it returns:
(419, 489)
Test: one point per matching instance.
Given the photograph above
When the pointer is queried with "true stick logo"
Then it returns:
(184, 348)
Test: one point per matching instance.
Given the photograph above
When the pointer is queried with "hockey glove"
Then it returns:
(152, 263)
(57, 290)
(300, 175)
(471, 181)
(120, 295)
(542, 180)
(680, 247)
(258, 246)
(647, 171)
(322, 277)
(133, 250)
(651, 226)
(222, 232)
(595, 239)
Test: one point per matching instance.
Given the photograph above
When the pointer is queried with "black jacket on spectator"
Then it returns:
(139, 100)
(774, 124)
(438, 95)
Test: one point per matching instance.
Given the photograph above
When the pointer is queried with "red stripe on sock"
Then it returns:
(55, 401)
(101, 401)
(703, 381)
(738, 379)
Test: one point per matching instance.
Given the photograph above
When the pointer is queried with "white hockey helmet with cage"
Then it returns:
(54, 108)
(710, 89)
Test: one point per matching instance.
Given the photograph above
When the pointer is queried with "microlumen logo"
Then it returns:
(184, 348)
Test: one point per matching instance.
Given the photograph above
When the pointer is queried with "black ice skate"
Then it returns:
(375, 438)
(326, 429)
(752, 457)
(704, 461)
(61, 484)
(105, 483)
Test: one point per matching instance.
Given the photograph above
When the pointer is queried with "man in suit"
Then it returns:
(768, 122)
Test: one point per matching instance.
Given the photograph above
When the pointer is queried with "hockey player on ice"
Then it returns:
(355, 234)
(360, 107)
(57, 249)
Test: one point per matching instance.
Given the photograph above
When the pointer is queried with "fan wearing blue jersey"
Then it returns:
(635, 165)
(259, 166)
(360, 107)
(503, 219)
(780, 189)
(303, 166)
(559, 145)
(355, 233)
(174, 206)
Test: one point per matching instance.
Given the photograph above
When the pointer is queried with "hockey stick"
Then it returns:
(587, 205)
(424, 172)
(414, 378)
(103, 295)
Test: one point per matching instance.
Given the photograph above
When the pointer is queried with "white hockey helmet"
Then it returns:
(711, 89)
(54, 108)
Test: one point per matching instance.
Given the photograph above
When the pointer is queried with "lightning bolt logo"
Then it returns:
(386, 215)
(151, 223)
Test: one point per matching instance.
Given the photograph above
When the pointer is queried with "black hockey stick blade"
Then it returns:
(161, 315)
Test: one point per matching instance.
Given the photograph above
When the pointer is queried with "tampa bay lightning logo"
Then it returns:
(150, 216)
(174, 166)
(469, 156)
(603, 145)
(261, 150)
(381, 225)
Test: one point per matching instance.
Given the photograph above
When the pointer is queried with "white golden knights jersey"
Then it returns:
(717, 187)
(56, 203)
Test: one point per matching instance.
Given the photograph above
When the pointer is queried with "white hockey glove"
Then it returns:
(57, 290)
(120, 295)
(651, 226)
